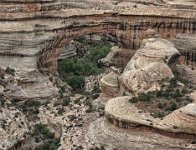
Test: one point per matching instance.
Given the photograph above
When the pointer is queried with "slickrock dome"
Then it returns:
(149, 65)
(160, 48)
(150, 33)
(122, 112)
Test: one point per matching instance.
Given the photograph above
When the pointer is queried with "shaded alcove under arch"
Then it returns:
(77, 47)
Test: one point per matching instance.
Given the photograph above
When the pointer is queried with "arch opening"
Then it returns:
(127, 31)
(90, 56)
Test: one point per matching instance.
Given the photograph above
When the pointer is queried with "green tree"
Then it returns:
(75, 81)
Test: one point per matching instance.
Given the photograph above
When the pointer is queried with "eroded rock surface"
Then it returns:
(13, 129)
(34, 32)
(124, 113)
(113, 137)
(145, 70)
(152, 64)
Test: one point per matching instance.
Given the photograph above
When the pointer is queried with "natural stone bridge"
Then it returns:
(33, 33)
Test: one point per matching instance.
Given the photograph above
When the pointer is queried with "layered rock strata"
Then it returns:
(125, 115)
(145, 70)
(24, 85)
(112, 137)
(33, 33)
(134, 127)
(73, 49)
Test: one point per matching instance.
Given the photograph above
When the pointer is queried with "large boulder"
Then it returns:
(147, 78)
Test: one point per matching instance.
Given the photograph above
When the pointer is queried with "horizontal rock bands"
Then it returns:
(132, 126)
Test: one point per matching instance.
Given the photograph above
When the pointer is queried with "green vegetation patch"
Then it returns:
(42, 134)
(73, 70)
(31, 106)
(2, 101)
(169, 98)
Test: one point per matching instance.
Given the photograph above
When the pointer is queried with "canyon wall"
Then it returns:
(33, 33)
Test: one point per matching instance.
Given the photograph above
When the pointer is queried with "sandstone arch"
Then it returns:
(131, 34)
(33, 37)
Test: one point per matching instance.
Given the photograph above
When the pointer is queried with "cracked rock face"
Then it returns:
(26, 85)
(13, 129)
(147, 78)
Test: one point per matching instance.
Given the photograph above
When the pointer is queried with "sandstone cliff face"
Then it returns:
(33, 33)
(145, 70)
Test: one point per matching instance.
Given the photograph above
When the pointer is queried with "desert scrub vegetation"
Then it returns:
(45, 138)
(73, 70)
(170, 97)
(31, 106)
(97, 50)
(2, 101)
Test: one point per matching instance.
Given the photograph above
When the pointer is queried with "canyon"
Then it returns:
(36, 33)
